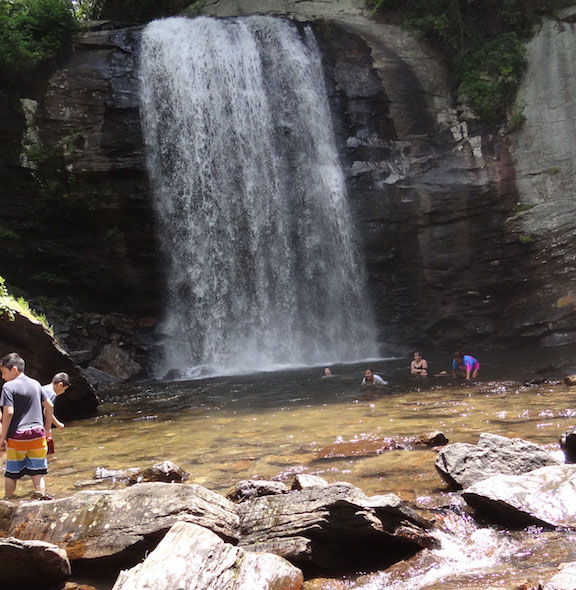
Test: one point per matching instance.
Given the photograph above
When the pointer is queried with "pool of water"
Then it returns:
(272, 425)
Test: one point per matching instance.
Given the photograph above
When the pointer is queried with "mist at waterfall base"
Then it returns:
(262, 268)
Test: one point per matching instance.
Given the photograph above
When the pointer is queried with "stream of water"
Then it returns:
(273, 425)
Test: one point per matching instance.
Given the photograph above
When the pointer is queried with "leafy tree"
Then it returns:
(31, 31)
(129, 10)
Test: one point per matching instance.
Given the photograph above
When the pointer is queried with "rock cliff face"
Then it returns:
(467, 231)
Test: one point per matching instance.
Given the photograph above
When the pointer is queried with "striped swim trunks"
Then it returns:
(26, 453)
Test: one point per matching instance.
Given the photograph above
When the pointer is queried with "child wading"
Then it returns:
(23, 427)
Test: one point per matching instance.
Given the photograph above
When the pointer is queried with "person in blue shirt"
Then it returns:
(465, 365)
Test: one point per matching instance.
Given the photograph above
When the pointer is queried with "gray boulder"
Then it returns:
(102, 523)
(543, 497)
(32, 565)
(333, 528)
(565, 579)
(194, 558)
(461, 464)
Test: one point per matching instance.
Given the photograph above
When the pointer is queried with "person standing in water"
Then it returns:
(465, 365)
(23, 430)
(419, 366)
(60, 383)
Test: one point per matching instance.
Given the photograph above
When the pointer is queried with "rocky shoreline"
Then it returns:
(162, 533)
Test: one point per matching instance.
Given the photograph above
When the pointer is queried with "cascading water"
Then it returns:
(262, 268)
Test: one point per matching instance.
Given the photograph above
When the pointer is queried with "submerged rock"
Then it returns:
(462, 464)
(166, 472)
(544, 497)
(376, 446)
(28, 565)
(193, 557)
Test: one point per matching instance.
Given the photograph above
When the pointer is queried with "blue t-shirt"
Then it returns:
(25, 395)
(469, 362)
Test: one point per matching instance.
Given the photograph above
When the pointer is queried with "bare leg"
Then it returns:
(39, 483)
(9, 487)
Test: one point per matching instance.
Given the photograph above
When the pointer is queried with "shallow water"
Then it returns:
(272, 425)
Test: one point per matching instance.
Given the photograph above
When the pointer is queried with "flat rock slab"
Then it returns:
(32, 565)
(101, 523)
(545, 497)
(194, 558)
(462, 464)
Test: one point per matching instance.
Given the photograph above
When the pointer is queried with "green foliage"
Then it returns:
(9, 305)
(33, 30)
(483, 41)
(516, 121)
(139, 11)
(5, 303)
(112, 233)
(8, 234)
(526, 239)
(521, 207)
(48, 278)
(35, 153)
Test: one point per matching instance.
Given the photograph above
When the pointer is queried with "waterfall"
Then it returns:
(260, 260)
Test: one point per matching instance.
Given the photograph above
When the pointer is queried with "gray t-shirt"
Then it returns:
(25, 395)
(49, 389)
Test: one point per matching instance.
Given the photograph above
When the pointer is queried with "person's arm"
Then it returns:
(425, 365)
(56, 422)
(7, 413)
(48, 415)
(412, 369)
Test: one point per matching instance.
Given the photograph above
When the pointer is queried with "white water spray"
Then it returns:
(262, 268)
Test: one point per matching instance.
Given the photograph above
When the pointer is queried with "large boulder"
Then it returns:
(103, 523)
(194, 558)
(543, 497)
(44, 358)
(565, 579)
(32, 565)
(333, 528)
(462, 464)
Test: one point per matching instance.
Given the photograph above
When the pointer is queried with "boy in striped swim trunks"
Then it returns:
(23, 431)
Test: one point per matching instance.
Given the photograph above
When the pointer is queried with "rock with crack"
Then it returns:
(194, 558)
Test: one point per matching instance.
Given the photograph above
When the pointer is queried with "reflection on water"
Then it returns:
(272, 425)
